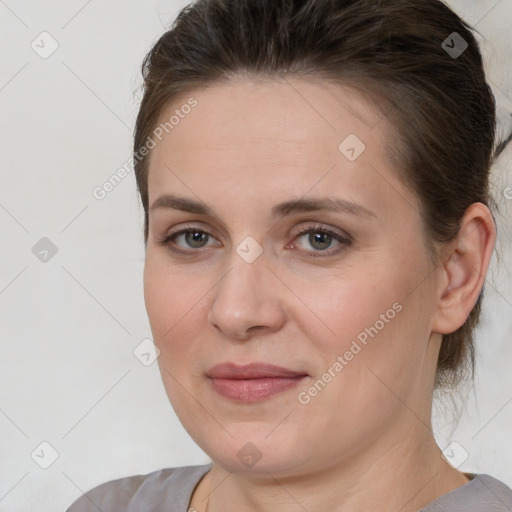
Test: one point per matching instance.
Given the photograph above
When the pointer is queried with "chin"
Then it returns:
(250, 451)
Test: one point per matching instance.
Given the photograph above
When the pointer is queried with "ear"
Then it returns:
(464, 272)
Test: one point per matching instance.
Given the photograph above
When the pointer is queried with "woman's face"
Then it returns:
(352, 310)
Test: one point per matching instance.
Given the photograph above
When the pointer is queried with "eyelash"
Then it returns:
(344, 241)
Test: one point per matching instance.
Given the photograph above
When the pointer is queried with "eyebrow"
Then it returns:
(170, 201)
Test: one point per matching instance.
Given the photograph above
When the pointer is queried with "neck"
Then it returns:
(393, 475)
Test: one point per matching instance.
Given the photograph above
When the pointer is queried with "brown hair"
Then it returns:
(395, 51)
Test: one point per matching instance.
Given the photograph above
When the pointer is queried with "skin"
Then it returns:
(364, 442)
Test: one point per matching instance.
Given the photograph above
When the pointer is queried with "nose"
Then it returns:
(247, 300)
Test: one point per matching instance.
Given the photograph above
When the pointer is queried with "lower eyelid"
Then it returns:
(172, 238)
(342, 241)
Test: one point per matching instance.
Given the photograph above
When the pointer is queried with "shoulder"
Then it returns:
(165, 489)
(483, 493)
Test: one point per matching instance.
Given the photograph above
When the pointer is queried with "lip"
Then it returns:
(253, 382)
(251, 371)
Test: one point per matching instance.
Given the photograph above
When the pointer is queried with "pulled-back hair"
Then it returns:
(402, 55)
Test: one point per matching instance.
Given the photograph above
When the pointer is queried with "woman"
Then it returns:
(314, 176)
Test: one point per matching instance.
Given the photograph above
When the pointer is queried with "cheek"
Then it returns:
(342, 305)
(369, 349)
(174, 306)
(368, 315)
(173, 299)
(159, 302)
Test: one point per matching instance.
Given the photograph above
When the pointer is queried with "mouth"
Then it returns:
(253, 382)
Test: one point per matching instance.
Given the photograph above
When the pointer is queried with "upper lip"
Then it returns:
(251, 371)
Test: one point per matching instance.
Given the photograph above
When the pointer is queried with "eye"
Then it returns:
(321, 239)
(318, 237)
(192, 237)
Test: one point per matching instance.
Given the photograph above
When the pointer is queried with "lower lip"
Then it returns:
(254, 390)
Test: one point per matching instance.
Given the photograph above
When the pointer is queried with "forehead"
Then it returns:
(290, 108)
(285, 135)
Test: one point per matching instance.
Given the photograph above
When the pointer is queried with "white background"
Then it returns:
(68, 375)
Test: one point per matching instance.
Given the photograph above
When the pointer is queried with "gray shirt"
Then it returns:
(170, 490)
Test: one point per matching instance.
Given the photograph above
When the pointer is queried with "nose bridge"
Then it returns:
(243, 286)
(245, 297)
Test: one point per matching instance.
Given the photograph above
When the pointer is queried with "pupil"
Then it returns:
(317, 237)
(195, 236)
(319, 240)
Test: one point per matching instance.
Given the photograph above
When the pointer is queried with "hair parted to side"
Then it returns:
(441, 108)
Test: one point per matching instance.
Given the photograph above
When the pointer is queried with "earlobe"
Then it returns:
(465, 269)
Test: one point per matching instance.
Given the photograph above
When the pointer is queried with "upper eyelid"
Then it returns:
(340, 237)
(316, 225)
